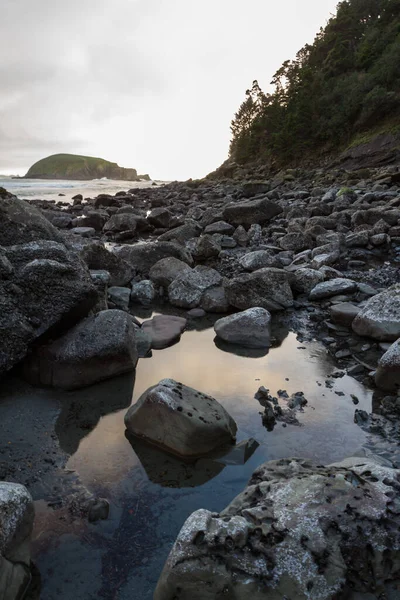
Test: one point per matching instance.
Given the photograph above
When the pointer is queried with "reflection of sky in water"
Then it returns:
(328, 433)
(121, 558)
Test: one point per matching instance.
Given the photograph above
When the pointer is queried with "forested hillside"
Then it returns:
(338, 91)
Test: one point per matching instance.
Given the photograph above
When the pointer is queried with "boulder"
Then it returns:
(387, 375)
(266, 288)
(97, 257)
(21, 222)
(187, 289)
(98, 348)
(143, 292)
(298, 530)
(143, 256)
(124, 222)
(190, 229)
(304, 280)
(333, 287)
(220, 227)
(344, 313)
(206, 247)
(48, 290)
(166, 270)
(296, 242)
(252, 211)
(164, 330)
(258, 260)
(380, 317)
(86, 232)
(250, 328)
(214, 300)
(119, 296)
(180, 420)
(160, 217)
(16, 523)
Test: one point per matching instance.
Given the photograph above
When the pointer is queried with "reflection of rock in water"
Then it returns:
(169, 471)
(279, 333)
(82, 409)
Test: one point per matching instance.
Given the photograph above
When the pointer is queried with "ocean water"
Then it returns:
(51, 189)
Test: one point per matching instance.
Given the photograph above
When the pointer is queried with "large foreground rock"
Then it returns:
(297, 531)
(44, 288)
(251, 211)
(250, 328)
(180, 420)
(99, 347)
(266, 288)
(143, 256)
(387, 375)
(16, 522)
(380, 317)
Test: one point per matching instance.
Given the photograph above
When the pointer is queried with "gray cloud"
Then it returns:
(151, 84)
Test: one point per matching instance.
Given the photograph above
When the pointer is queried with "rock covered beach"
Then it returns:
(319, 250)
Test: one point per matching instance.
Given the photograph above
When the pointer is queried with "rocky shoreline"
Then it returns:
(319, 250)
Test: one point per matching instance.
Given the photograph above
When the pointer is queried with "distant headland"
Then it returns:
(73, 166)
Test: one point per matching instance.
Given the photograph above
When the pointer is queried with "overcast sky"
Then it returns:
(150, 84)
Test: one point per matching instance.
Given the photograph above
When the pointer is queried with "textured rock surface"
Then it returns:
(250, 328)
(96, 256)
(97, 348)
(334, 287)
(251, 211)
(380, 317)
(166, 270)
(267, 288)
(164, 330)
(180, 420)
(143, 256)
(46, 287)
(188, 288)
(258, 260)
(387, 375)
(297, 531)
(16, 522)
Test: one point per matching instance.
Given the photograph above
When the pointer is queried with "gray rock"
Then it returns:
(296, 242)
(164, 330)
(214, 300)
(266, 288)
(188, 288)
(86, 232)
(196, 313)
(387, 376)
(21, 223)
(281, 537)
(166, 270)
(98, 348)
(143, 342)
(344, 313)
(97, 257)
(240, 236)
(206, 247)
(160, 217)
(121, 223)
(143, 292)
(49, 289)
(119, 296)
(258, 260)
(304, 280)
(250, 328)
(180, 420)
(380, 317)
(220, 227)
(16, 523)
(358, 239)
(190, 229)
(334, 287)
(143, 256)
(252, 211)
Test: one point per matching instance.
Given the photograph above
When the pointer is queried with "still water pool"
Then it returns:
(151, 494)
